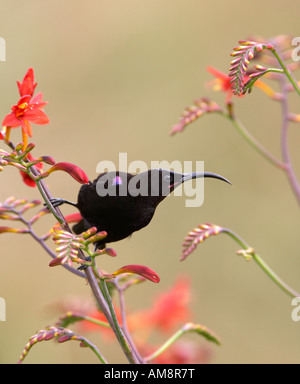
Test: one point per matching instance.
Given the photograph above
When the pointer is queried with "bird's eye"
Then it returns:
(117, 181)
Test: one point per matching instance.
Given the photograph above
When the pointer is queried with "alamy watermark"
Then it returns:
(296, 310)
(2, 49)
(2, 309)
(160, 182)
(296, 51)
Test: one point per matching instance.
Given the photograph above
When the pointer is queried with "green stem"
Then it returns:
(95, 350)
(294, 183)
(95, 321)
(52, 210)
(166, 345)
(255, 144)
(118, 331)
(286, 70)
(264, 266)
(273, 276)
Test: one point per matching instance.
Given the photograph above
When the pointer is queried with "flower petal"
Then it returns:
(77, 173)
(11, 121)
(27, 179)
(24, 99)
(36, 116)
(141, 270)
(27, 86)
(38, 98)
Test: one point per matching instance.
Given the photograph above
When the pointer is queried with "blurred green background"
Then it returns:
(117, 76)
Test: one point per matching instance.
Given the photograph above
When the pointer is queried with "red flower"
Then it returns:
(27, 110)
(73, 170)
(1, 136)
(222, 82)
(168, 310)
(27, 86)
(26, 178)
(141, 270)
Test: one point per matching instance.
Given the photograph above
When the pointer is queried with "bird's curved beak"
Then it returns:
(196, 175)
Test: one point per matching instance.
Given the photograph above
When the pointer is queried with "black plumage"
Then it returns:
(121, 203)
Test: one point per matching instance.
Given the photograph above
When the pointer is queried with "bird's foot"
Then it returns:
(58, 202)
(84, 266)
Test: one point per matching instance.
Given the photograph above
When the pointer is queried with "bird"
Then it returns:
(121, 203)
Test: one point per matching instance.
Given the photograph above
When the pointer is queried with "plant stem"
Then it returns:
(264, 266)
(95, 321)
(114, 321)
(255, 144)
(288, 73)
(284, 143)
(124, 321)
(95, 350)
(273, 276)
(101, 300)
(166, 345)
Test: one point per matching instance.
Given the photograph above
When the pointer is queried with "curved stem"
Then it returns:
(273, 276)
(166, 345)
(286, 70)
(255, 144)
(264, 266)
(284, 143)
(95, 350)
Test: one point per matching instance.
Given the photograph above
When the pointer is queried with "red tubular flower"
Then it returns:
(77, 173)
(26, 178)
(73, 218)
(141, 270)
(27, 86)
(27, 110)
